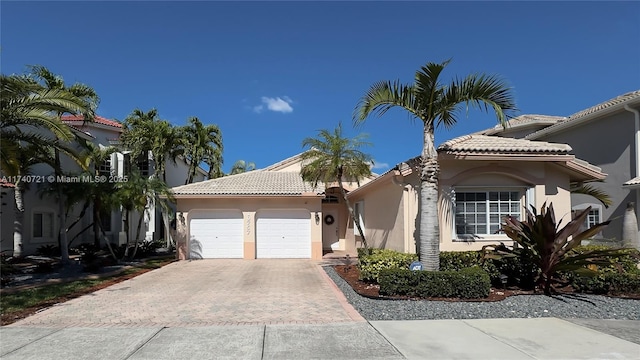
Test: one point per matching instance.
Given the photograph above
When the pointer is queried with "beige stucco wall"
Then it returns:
(550, 184)
(390, 209)
(250, 208)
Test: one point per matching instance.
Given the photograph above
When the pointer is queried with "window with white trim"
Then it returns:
(359, 214)
(43, 224)
(483, 212)
(593, 217)
(105, 168)
(330, 199)
(143, 164)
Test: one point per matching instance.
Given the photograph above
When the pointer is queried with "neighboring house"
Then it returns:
(41, 221)
(607, 135)
(265, 213)
(482, 180)
(272, 213)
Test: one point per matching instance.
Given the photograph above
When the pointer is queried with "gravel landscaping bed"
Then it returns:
(521, 306)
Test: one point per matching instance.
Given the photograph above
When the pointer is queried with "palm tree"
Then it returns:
(26, 107)
(99, 194)
(435, 104)
(202, 143)
(331, 157)
(90, 100)
(242, 166)
(146, 132)
(138, 194)
(28, 156)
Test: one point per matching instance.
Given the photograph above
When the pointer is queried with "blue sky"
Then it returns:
(272, 73)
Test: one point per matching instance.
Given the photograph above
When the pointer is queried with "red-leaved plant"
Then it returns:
(542, 242)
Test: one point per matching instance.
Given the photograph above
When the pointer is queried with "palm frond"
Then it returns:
(383, 96)
(589, 189)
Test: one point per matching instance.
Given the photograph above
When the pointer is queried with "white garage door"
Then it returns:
(283, 234)
(216, 234)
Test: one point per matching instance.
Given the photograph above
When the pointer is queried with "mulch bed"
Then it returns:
(351, 274)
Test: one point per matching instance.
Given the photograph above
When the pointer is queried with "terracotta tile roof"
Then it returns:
(71, 119)
(524, 121)
(483, 144)
(6, 184)
(612, 104)
(257, 182)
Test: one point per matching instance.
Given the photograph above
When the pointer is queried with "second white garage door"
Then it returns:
(283, 234)
(216, 234)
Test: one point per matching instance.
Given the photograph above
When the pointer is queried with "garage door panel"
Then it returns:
(283, 234)
(217, 235)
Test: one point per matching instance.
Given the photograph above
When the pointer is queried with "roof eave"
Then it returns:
(576, 122)
(227, 196)
(586, 174)
(460, 155)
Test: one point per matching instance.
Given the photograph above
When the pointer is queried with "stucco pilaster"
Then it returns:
(182, 247)
(249, 220)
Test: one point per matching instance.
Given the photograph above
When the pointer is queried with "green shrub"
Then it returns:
(627, 263)
(518, 273)
(608, 283)
(48, 250)
(619, 275)
(468, 283)
(456, 260)
(626, 283)
(382, 259)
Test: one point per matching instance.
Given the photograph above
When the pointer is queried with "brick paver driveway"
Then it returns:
(209, 292)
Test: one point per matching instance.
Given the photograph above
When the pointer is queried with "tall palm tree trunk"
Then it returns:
(356, 220)
(18, 220)
(429, 228)
(126, 230)
(137, 239)
(62, 232)
(96, 223)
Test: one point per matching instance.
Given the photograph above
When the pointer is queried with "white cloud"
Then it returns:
(277, 104)
(381, 165)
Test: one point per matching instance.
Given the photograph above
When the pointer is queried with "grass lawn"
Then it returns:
(19, 304)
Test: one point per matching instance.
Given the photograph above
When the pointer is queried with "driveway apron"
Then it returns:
(209, 292)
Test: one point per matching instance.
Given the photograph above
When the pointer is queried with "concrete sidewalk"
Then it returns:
(509, 339)
(546, 338)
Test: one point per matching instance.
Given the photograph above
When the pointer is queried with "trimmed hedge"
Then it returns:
(382, 259)
(620, 276)
(468, 283)
(518, 273)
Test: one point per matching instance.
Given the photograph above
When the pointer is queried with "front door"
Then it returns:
(330, 223)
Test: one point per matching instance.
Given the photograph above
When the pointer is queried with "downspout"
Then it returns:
(637, 152)
(405, 209)
(637, 122)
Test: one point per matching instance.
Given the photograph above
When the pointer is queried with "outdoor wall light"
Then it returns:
(503, 280)
(317, 218)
